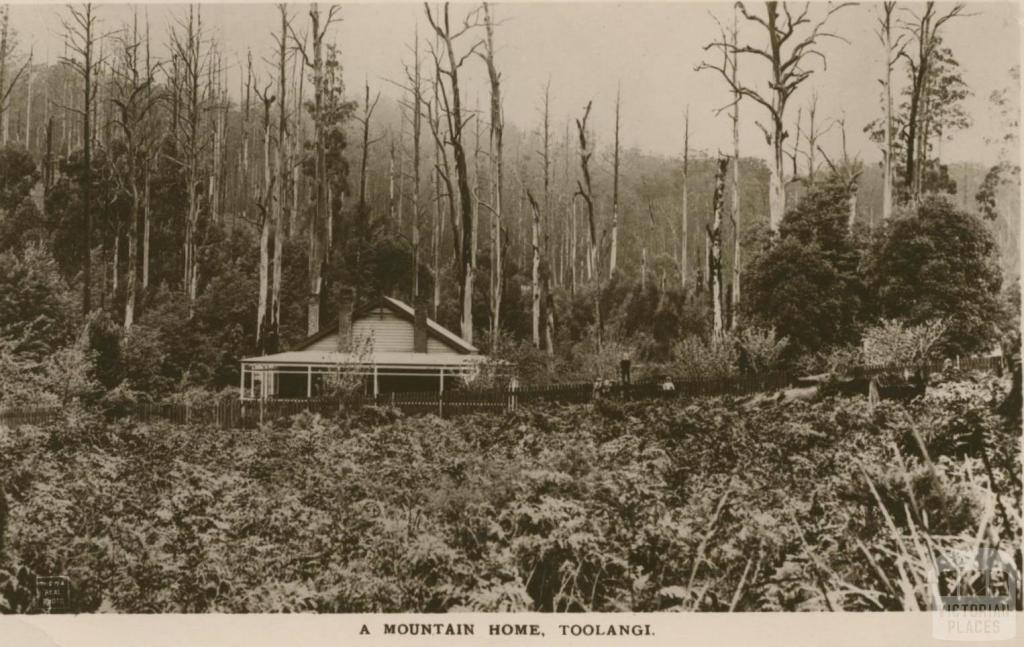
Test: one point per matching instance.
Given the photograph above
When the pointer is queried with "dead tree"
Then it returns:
(614, 254)
(788, 54)
(148, 175)
(319, 227)
(496, 174)
(714, 237)
(81, 39)
(894, 48)
(735, 207)
(8, 45)
(545, 268)
(417, 105)
(447, 64)
(584, 189)
(134, 104)
(282, 180)
(265, 223)
(535, 237)
(187, 45)
(684, 243)
(535, 274)
(364, 120)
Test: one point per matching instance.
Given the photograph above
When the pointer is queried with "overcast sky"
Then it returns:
(587, 49)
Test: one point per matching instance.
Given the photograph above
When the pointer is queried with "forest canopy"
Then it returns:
(169, 205)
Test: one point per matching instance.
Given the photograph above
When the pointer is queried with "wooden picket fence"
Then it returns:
(27, 416)
(232, 413)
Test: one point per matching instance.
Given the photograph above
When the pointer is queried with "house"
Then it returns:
(385, 347)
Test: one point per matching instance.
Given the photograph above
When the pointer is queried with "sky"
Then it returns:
(587, 50)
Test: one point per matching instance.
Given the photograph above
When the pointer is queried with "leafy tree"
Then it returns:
(807, 284)
(22, 226)
(938, 263)
(103, 338)
(942, 99)
(36, 306)
(18, 174)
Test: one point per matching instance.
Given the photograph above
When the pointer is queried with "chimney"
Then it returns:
(346, 301)
(419, 333)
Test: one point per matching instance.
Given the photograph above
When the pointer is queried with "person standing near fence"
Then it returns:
(624, 366)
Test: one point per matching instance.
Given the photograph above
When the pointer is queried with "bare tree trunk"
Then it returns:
(684, 243)
(81, 39)
(585, 191)
(715, 251)
(133, 262)
(453, 110)
(417, 125)
(392, 202)
(187, 49)
(282, 181)
(546, 267)
(321, 222)
(146, 226)
(613, 259)
(265, 227)
(497, 179)
(573, 258)
(736, 265)
(535, 274)
(887, 186)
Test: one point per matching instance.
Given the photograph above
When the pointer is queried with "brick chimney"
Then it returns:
(346, 302)
(419, 333)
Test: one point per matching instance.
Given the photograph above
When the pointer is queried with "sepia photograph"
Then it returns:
(512, 308)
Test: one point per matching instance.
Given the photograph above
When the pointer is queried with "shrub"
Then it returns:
(938, 263)
(760, 350)
(894, 342)
(697, 359)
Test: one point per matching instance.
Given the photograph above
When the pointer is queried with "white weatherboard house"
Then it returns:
(387, 345)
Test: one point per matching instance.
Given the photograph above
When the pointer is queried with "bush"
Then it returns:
(807, 284)
(143, 359)
(938, 263)
(716, 359)
(36, 307)
(893, 342)
(760, 350)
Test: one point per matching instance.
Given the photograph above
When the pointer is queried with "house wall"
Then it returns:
(390, 334)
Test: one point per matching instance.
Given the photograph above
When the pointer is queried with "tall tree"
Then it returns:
(8, 45)
(924, 30)
(283, 172)
(81, 39)
(265, 222)
(585, 190)
(187, 43)
(792, 41)
(735, 207)
(893, 49)
(546, 269)
(447, 64)
(684, 243)
(714, 236)
(416, 106)
(134, 107)
(364, 120)
(496, 174)
(614, 255)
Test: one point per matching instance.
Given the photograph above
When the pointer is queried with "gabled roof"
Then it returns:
(403, 311)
